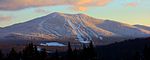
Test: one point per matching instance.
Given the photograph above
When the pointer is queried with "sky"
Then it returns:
(126, 11)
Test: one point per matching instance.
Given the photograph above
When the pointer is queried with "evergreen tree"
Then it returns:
(1, 55)
(13, 55)
(91, 46)
(91, 51)
(55, 56)
(36, 54)
(137, 56)
(28, 52)
(76, 54)
(43, 54)
(20, 55)
(147, 53)
(69, 52)
(84, 53)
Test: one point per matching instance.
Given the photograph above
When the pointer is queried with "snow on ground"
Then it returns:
(52, 44)
(85, 42)
(41, 26)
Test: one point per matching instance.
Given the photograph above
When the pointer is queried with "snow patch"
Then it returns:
(52, 44)
(42, 27)
(85, 42)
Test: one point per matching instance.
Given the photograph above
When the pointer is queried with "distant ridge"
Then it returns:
(143, 27)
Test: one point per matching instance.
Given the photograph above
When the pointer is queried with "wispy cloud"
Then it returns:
(103, 2)
(132, 4)
(5, 18)
(80, 8)
(81, 5)
(41, 11)
(20, 4)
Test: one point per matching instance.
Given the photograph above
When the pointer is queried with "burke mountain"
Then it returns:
(78, 28)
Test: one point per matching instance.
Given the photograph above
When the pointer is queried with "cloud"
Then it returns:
(80, 8)
(82, 5)
(132, 4)
(41, 11)
(5, 18)
(103, 2)
(78, 5)
(83, 2)
(20, 4)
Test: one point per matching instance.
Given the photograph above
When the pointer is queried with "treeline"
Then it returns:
(133, 49)
(87, 52)
(145, 55)
(30, 52)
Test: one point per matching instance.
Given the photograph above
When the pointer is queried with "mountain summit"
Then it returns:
(79, 26)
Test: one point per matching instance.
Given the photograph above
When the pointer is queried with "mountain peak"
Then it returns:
(81, 27)
(56, 13)
(67, 14)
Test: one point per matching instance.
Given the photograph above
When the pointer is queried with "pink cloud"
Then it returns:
(82, 5)
(5, 18)
(19, 4)
(103, 2)
(80, 8)
(83, 2)
(132, 4)
(41, 11)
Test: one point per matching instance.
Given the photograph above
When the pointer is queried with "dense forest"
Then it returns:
(133, 49)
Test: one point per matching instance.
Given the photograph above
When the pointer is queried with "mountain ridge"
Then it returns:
(80, 26)
(143, 27)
